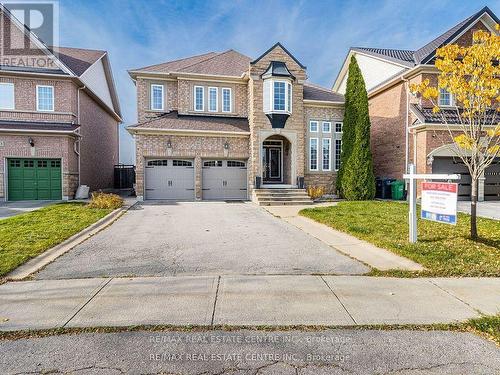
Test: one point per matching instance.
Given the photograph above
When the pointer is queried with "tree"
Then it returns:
(357, 179)
(471, 75)
(350, 119)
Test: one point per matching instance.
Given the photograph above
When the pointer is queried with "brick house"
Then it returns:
(219, 126)
(59, 116)
(404, 129)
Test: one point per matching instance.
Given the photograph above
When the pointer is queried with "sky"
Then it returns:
(318, 33)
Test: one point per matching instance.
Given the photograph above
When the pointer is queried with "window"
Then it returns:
(226, 100)
(6, 96)
(55, 163)
(338, 151)
(338, 127)
(445, 98)
(212, 163)
(157, 163)
(42, 164)
(212, 99)
(15, 163)
(279, 96)
(28, 164)
(326, 154)
(289, 97)
(313, 126)
(182, 163)
(157, 98)
(44, 98)
(199, 104)
(313, 154)
(327, 127)
(236, 164)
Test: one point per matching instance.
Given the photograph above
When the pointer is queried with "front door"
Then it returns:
(272, 172)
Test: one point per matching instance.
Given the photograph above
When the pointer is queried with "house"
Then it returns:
(404, 128)
(219, 126)
(59, 116)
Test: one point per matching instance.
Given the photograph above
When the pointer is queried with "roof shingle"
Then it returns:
(315, 92)
(79, 59)
(175, 121)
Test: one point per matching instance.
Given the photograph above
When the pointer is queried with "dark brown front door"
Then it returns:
(272, 165)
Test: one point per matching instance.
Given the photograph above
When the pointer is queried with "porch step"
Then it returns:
(281, 197)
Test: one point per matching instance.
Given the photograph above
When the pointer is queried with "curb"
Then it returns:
(48, 256)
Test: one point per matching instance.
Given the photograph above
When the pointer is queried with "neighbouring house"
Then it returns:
(59, 117)
(404, 128)
(220, 126)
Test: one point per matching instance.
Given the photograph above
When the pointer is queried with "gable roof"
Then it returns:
(315, 92)
(400, 56)
(228, 63)
(79, 59)
(278, 44)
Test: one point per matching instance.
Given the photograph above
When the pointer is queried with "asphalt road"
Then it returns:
(200, 238)
(253, 352)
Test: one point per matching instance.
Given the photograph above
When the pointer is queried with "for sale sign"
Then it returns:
(439, 202)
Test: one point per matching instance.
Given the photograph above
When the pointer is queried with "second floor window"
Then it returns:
(279, 95)
(199, 104)
(226, 100)
(157, 101)
(213, 99)
(6, 96)
(44, 98)
(445, 98)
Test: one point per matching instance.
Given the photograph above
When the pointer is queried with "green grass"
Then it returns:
(26, 236)
(489, 325)
(444, 250)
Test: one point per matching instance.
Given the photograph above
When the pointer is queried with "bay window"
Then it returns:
(277, 96)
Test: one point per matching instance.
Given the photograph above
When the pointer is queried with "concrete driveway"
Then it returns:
(487, 209)
(200, 238)
(9, 209)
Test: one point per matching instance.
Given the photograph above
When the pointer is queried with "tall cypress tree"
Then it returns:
(350, 119)
(358, 180)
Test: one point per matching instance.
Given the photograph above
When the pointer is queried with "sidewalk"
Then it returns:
(244, 300)
(358, 249)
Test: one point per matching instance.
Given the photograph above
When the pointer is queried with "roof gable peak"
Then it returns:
(276, 45)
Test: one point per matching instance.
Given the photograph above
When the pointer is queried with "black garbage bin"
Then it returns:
(387, 188)
(378, 187)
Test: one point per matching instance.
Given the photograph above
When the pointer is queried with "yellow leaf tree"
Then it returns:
(471, 74)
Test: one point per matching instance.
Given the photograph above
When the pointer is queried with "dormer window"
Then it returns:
(445, 98)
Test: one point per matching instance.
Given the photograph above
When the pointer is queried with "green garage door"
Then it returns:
(34, 179)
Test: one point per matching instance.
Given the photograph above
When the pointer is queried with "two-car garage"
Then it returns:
(174, 179)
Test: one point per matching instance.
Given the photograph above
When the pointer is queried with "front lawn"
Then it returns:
(26, 236)
(445, 250)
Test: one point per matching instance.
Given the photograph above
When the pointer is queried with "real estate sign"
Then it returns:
(439, 202)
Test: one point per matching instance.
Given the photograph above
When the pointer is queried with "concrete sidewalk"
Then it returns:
(358, 249)
(244, 300)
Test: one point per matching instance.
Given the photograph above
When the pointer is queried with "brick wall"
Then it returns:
(65, 100)
(143, 87)
(191, 147)
(56, 147)
(99, 144)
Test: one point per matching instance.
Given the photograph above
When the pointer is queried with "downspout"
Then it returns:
(79, 134)
(407, 130)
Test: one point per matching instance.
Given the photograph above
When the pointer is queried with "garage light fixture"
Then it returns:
(169, 143)
(31, 142)
(226, 146)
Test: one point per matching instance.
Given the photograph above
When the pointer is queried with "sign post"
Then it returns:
(413, 177)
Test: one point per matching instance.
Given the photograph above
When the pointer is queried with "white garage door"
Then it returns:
(169, 179)
(224, 180)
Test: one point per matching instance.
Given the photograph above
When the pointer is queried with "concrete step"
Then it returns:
(282, 199)
(286, 203)
(257, 191)
(270, 195)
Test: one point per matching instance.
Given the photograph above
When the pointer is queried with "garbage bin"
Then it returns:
(398, 190)
(386, 188)
(378, 187)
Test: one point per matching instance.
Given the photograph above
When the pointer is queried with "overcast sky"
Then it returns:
(319, 33)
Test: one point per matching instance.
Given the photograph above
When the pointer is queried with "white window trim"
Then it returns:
(335, 153)
(153, 86)
(310, 127)
(318, 157)
(452, 99)
(329, 127)
(53, 99)
(271, 96)
(329, 154)
(13, 95)
(230, 99)
(202, 98)
(216, 99)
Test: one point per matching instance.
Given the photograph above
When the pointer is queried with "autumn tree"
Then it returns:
(471, 74)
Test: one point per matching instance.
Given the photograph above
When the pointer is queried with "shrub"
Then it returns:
(315, 192)
(104, 200)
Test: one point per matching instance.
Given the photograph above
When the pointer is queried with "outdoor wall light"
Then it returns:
(169, 143)
(31, 142)
(226, 146)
